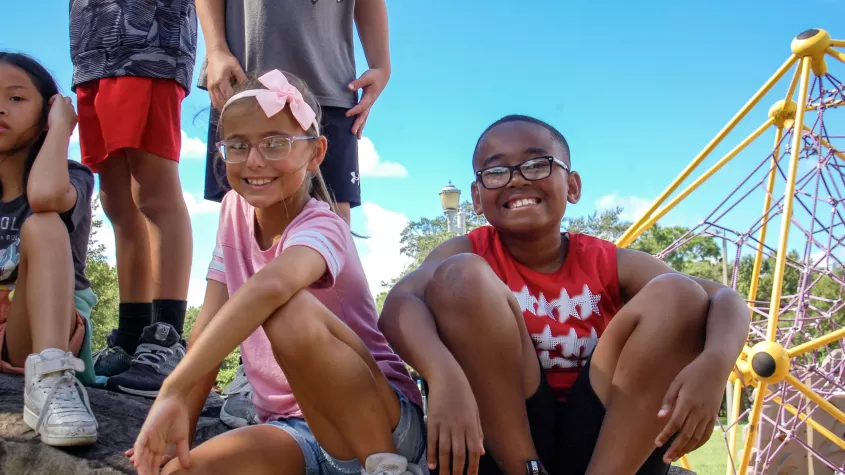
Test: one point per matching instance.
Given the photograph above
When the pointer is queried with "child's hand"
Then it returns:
(166, 425)
(223, 70)
(373, 83)
(62, 116)
(454, 428)
(693, 401)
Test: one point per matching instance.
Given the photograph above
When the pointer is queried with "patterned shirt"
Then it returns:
(143, 38)
(565, 311)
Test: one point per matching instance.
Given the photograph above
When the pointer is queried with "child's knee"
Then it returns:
(43, 226)
(456, 280)
(682, 301)
(296, 328)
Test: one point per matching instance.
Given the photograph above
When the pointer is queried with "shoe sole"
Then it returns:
(31, 419)
(138, 392)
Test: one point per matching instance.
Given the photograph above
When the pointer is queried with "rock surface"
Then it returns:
(120, 417)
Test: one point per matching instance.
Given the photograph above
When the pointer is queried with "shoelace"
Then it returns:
(64, 394)
(103, 353)
(151, 354)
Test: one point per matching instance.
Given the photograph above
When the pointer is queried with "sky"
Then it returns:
(638, 89)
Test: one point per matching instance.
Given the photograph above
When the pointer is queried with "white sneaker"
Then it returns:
(390, 464)
(52, 406)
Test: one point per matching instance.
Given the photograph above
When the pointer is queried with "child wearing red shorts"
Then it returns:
(133, 64)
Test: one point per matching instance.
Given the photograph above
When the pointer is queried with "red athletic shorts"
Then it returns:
(129, 112)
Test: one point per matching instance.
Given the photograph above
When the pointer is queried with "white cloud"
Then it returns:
(383, 261)
(371, 164)
(74, 137)
(632, 206)
(197, 205)
(192, 147)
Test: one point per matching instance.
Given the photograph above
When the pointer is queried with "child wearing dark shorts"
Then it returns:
(247, 38)
(553, 352)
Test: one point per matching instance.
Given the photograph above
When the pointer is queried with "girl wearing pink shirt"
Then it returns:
(286, 284)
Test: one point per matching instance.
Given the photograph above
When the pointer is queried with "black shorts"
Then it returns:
(565, 433)
(339, 168)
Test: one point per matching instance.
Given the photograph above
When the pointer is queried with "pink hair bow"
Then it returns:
(280, 92)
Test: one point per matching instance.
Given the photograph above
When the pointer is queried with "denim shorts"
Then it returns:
(409, 438)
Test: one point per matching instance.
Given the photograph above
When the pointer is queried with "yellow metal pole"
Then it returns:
(821, 402)
(756, 410)
(793, 84)
(732, 431)
(816, 343)
(713, 143)
(780, 261)
(812, 423)
(685, 463)
(837, 43)
(695, 184)
(836, 54)
(767, 203)
(788, 202)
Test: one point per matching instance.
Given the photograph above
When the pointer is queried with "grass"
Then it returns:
(711, 459)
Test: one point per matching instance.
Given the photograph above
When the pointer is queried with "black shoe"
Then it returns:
(161, 348)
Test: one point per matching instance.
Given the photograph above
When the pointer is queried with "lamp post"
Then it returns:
(450, 199)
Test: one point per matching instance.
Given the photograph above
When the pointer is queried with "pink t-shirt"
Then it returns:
(344, 290)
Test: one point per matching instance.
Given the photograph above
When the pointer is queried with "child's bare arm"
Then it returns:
(728, 318)
(296, 268)
(49, 187)
(371, 19)
(409, 325)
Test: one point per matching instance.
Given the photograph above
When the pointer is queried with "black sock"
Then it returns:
(132, 318)
(170, 311)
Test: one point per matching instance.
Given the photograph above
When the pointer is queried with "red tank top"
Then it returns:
(565, 311)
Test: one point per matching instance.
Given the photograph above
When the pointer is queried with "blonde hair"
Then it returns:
(317, 187)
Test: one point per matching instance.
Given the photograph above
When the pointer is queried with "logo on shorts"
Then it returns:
(355, 178)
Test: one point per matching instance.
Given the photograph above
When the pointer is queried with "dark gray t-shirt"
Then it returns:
(77, 219)
(312, 39)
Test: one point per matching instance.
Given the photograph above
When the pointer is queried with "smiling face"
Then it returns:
(21, 107)
(266, 182)
(523, 205)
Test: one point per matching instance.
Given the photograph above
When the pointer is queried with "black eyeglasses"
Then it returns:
(535, 169)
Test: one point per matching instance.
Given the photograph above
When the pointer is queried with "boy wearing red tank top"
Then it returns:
(555, 352)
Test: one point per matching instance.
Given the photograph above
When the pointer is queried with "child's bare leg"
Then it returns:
(347, 401)
(42, 314)
(485, 333)
(645, 346)
(158, 195)
(256, 450)
(130, 231)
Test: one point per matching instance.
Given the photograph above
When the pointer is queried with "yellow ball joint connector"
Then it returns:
(813, 44)
(770, 362)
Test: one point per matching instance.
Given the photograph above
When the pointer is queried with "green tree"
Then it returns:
(103, 277)
(419, 238)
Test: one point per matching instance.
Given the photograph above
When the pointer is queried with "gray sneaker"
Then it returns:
(237, 410)
(161, 349)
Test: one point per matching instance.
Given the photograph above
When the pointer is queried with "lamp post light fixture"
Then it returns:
(450, 200)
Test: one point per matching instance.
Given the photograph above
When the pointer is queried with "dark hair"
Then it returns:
(47, 87)
(318, 188)
(531, 120)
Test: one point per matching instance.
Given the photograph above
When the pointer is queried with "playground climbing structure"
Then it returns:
(792, 365)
